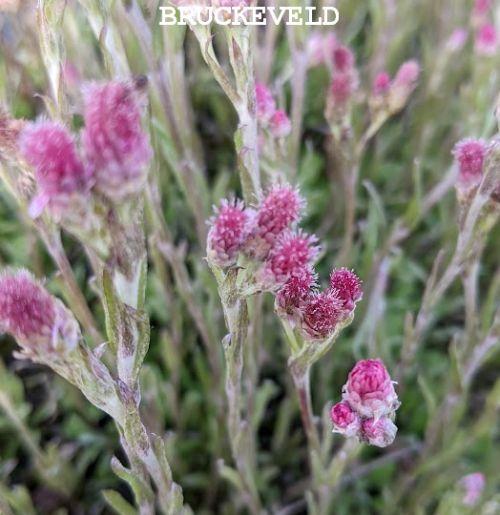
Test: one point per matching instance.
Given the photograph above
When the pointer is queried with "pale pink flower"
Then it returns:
(114, 141)
(32, 316)
(294, 293)
(291, 252)
(378, 432)
(470, 155)
(407, 75)
(321, 314)
(345, 420)
(369, 389)
(229, 230)
(320, 47)
(279, 124)
(60, 174)
(486, 40)
(457, 40)
(348, 287)
(266, 106)
(473, 484)
(381, 83)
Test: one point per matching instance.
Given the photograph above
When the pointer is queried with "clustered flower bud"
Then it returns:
(370, 396)
(469, 155)
(344, 79)
(38, 321)
(116, 152)
(348, 287)
(292, 297)
(473, 486)
(270, 118)
(321, 313)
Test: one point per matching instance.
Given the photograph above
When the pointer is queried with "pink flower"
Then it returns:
(280, 209)
(59, 172)
(229, 230)
(381, 83)
(457, 40)
(343, 59)
(341, 89)
(320, 47)
(266, 106)
(369, 389)
(469, 154)
(292, 252)
(486, 40)
(473, 484)
(345, 420)
(295, 292)
(348, 287)
(320, 315)
(481, 8)
(32, 316)
(379, 433)
(407, 75)
(279, 124)
(113, 138)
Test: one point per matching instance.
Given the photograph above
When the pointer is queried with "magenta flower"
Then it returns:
(229, 230)
(345, 420)
(470, 155)
(407, 75)
(321, 314)
(486, 40)
(115, 143)
(32, 316)
(279, 124)
(348, 287)
(343, 59)
(292, 252)
(369, 389)
(381, 83)
(473, 484)
(266, 106)
(280, 209)
(59, 172)
(291, 297)
(378, 432)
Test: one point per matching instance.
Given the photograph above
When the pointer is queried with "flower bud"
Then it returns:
(229, 230)
(294, 293)
(381, 83)
(115, 143)
(473, 485)
(403, 85)
(343, 59)
(321, 314)
(486, 40)
(345, 420)
(378, 432)
(279, 124)
(39, 322)
(348, 286)
(369, 389)
(470, 155)
(60, 174)
(457, 40)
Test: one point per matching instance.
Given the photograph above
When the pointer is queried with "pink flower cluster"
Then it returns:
(473, 485)
(344, 76)
(469, 155)
(486, 39)
(115, 153)
(403, 83)
(368, 405)
(269, 117)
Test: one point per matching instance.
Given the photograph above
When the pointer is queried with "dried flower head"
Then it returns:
(279, 124)
(345, 420)
(292, 252)
(266, 106)
(473, 485)
(229, 230)
(295, 292)
(378, 432)
(115, 143)
(60, 174)
(321, 314)
(470, 155)
(486, 40)
(38, 321)
(348, 286)
(369, 389)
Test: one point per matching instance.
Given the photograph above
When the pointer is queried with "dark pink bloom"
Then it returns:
(295, 291)
(381, 83)
(59, 172)
(266, 106)
(320, 314)
(341, 89)
(279, 124)
(229, 230)
(343, 59)
(486, 40)
(369, 389)
(469, 154)
(292, 252)
(115, 143)
(473, 484)
(348, 287)
(31, 315)
(378, 432)
(345, 420)
(407, 75)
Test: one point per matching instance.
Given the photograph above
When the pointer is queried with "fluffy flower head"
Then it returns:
(378, 432)
(345, 420)
(295, 291)
(320, 315)
(343, 59)
(381, 83)
(470, 154)
(348, 286)
(266, 106)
